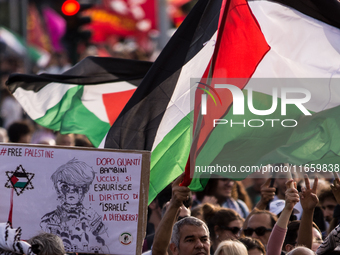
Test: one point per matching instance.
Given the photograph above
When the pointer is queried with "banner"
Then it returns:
(95, 200)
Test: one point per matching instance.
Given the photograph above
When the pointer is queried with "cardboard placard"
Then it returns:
(94, 199)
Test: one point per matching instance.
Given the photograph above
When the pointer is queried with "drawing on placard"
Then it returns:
(80, 228)
(19, 180)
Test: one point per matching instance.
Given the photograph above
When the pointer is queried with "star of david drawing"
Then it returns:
(19, 180)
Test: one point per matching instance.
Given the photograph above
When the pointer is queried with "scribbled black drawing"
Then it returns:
(81, 229)
(19, 180)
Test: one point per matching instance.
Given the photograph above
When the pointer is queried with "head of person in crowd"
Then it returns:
(231, 247)
(47, 244)
(292, 236)
(65, 139)
(223, 223)
(197, 211)
(3, 135)
(227, 193)
(259, 225)
(190, 236)
(20, 132)
(300, 250)
(327, 203)
(220, 188)
(254, 246)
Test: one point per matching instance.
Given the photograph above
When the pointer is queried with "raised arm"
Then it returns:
(164, 230)
(309, 201)
(278, 234)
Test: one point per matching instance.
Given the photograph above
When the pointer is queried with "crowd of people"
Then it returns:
(287, 216)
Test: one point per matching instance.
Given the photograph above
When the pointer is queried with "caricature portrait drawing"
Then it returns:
(80, 228)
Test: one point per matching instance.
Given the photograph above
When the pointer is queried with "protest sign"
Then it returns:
(94, 199)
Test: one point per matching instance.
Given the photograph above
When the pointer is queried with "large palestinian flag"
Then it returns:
(86, 99)
(157, 117)
(282, 49)
(256, 39)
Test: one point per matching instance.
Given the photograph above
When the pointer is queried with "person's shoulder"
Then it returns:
(242, 203)
(244, 208)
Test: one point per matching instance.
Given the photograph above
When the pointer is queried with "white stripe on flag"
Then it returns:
(35, 103)
(301, 47)
(179, 105)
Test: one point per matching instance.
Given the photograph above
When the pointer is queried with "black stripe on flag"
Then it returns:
(20, 174)
(89, 71)
(137, 125)
(327, 11)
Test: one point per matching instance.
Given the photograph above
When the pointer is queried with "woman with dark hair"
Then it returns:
(224, 224)
(227, 193)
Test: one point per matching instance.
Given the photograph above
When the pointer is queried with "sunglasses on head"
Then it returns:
(260, 231)
(234, 230)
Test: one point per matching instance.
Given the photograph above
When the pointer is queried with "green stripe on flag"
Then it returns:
(169, 158)
(78, 120)
(20, 184)
(245, 146)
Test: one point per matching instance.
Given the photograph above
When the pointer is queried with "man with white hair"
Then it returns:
(189, 236)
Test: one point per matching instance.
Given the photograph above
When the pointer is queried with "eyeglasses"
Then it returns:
(260, 231)
(234, 230)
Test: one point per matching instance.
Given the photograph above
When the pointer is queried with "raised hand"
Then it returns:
(267, 195)
(179, 193)
(291, 195)
(309, 199)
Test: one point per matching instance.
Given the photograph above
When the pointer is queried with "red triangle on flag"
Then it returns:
(14, 179)
(115, 102)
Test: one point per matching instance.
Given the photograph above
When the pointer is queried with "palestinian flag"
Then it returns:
(256, 39)
(285, 62)
(86, 99)
(19, 180)
(157, 117)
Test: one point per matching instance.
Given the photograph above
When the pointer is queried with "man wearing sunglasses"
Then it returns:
(260, 225)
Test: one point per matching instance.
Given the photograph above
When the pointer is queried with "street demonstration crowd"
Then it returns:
(256, 216)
